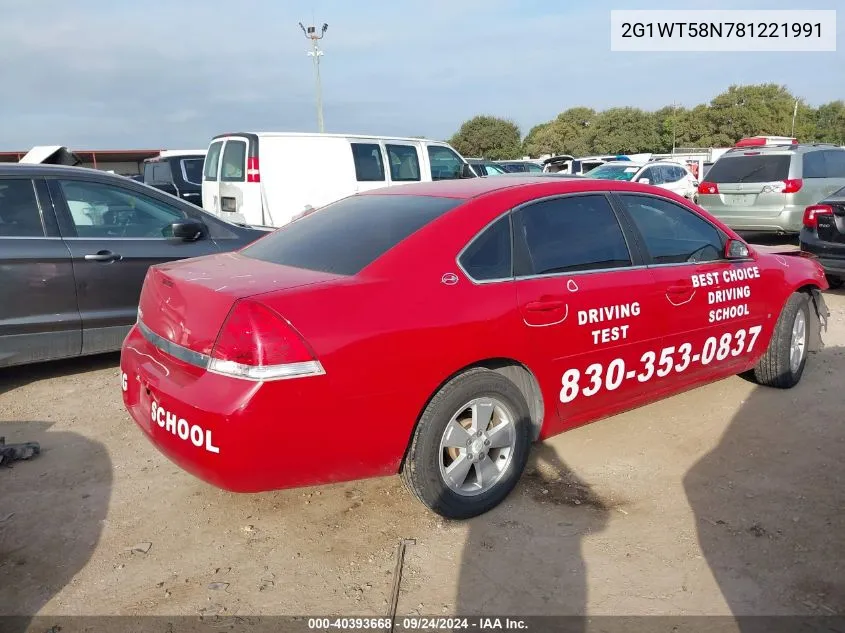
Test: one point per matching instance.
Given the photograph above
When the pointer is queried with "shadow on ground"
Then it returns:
(525, 557)
(13, 377)
(769, 499)
(52, 509)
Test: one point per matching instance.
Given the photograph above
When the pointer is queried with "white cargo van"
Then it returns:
(268, 178)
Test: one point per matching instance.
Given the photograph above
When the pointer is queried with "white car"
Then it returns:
(664, 174)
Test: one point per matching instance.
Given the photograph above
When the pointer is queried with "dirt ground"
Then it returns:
(727, 499)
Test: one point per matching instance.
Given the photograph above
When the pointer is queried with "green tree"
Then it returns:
(830, 122)
(625, 131)
(740, 111)
(488, 137)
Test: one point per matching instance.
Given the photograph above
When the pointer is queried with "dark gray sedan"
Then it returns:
(75, 245)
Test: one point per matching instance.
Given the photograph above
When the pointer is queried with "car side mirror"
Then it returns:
(467, 171)
(644, 181)
(186, 230)
(735, 249)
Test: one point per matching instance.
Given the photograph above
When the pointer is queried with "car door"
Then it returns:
(587, 304)
(714, 307)
(115, 234)
(210, 179)
(159, 175)
(39, 317)
(674, 179)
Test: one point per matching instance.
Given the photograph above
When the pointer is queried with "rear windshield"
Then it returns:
(613, 172)
(192, 170)
(750, 169)
(346, 236)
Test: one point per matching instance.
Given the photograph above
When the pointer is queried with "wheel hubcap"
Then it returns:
(477, 446)
(798, 343)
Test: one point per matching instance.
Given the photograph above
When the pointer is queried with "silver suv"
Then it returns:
(767, 188)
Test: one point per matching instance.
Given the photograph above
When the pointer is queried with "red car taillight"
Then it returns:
(792, 186)
(708, 187)
(258, 344)
(812, 213)
(253, 173)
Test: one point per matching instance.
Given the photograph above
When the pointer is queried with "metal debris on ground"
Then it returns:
(397, 577)
(14, 452)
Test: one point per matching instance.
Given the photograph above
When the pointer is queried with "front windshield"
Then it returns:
(494, 170)
(613, 172)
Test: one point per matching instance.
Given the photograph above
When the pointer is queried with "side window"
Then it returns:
(233, 167)
(835, 161)
(106, 211)
(211, 160)
(160, 173)
(368, 162)
(571, 234)
(404, 162)
(533, 168)
(19, 212)
(445, 164)
(814, 165)
(648, 173)
(489, 255)
(672, 234)
(673, 174)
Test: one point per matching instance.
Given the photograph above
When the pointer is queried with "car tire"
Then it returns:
(782, 365)
(834, 282)
(440, 453)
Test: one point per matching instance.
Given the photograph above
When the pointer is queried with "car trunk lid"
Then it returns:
(831, 228)
(186, 302)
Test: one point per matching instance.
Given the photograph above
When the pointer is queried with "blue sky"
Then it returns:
(102, 74)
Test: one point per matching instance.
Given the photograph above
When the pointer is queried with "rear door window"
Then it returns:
(814, 165)
(346, 236)
(157, 173)
(404, 162)
(736, 169)
(574, 233)
(211, 160)
(233, 167)
(20, 215)
(835, 161)
(192, 170)
(369, 165)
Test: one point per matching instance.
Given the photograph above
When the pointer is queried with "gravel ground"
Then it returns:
(726, 499)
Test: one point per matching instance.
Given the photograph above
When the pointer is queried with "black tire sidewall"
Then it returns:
(799, 302)
(424, 457)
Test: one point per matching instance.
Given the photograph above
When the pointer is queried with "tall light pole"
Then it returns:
(794, 113)
(315, 52)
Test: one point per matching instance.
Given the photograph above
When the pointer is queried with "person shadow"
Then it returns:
(769, 500)
(525, 556)
(52, 510)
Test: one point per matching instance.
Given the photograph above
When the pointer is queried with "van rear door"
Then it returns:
(210, 182)
(240, 181)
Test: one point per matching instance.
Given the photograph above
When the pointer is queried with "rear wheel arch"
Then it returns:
(515, 371)
(818, 315)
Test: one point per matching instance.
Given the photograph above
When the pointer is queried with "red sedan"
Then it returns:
(438, 329)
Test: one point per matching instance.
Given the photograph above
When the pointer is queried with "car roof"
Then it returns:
(30, 170)
(466, 188)
(327, 135)
(779, 148)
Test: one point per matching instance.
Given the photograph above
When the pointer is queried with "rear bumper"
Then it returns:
(246, 436)
(790, 220)
(830, 255)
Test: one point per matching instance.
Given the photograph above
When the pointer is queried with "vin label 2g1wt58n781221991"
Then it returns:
(438, 329)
